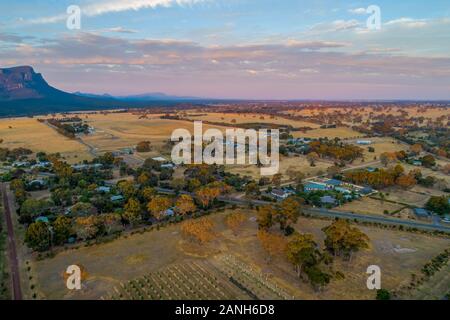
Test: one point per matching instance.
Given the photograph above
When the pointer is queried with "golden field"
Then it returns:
(240, 118)
(31, 134)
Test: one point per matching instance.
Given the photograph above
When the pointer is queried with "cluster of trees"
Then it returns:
(311, 263)
(143, 146)
(439, 205)
(69, 127)
(284, 214)
(41, 236)
(383, 178)
(199, 230)
(336, 149)
(13, 154)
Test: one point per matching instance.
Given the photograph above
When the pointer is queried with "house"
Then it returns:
(159, 159)
(39, 182)
(366, 191)
(168, 166)
(103, 189)
(328, 200)
(41, 219)
(80, 167)
(364, 142)
(169, 212)
(41, 164)
(333, 182)
(342, 190)
(280, 194)
(316, 186)
(21, 164)
(421, 213)
(117, 198)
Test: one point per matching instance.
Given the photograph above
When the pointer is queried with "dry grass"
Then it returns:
(297, 163)
(29, 133)
(120, 130)
(397, 253)
(340, 132)
(368, 205)
(250, 118)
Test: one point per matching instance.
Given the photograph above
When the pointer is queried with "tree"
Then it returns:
(148, 193)
(428, 161)
(126, 188)
(252, 189)
(343, 239)
(32, 208)
(38, 236)
(416, 148)
(289, 212)
(295, 175)
(185, 204)
(387, 157)
(383, 294)
(111, 222)
(438, 205)
(302, 252)
(276, 179)
(193, 184)
(143, 179)
(62, 229)
(207, 195)
(158, 206)
(265, 216)
(88, 227)
(83, 209)
(406, 181)
(312, 157)
(199, 230)
(234, 221)
(143, 146)
(178, 184)
(132, 211)
(273, 244)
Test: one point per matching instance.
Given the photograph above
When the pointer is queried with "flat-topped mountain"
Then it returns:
(25, 92)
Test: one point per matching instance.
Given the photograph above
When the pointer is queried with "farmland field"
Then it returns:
(239, 118)
(31, 134)
(331, 133)
(147, 259)
(122, 130)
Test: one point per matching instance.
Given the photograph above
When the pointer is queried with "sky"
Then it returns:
(243, 49)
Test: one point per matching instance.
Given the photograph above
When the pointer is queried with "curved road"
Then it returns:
(13, 261)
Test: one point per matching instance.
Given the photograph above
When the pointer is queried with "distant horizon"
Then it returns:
(236, 49)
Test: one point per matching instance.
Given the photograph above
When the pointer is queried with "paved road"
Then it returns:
(377, 219)
(13, 261)
(332, 213)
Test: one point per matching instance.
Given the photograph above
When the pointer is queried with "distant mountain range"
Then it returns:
(25, 92)
(153, 96)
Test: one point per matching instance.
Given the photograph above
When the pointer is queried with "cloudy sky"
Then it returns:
(263, 49)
